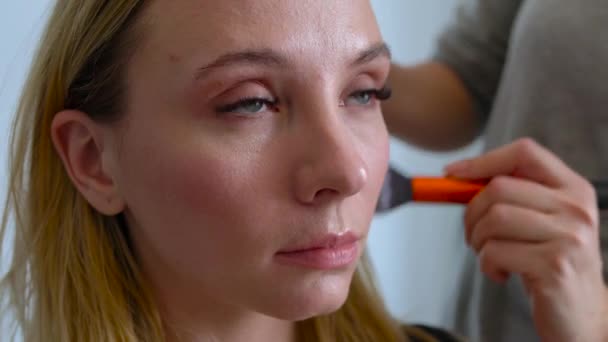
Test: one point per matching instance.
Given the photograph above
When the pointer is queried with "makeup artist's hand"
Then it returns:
(538, 219)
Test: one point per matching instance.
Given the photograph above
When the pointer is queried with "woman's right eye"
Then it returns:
(249, 106)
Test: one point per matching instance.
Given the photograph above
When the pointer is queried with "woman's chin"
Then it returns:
(309, 310)
(300, 303)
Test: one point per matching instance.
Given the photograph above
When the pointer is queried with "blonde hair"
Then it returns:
(73, 276)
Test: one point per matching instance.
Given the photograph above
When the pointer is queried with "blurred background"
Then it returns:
(415, 249)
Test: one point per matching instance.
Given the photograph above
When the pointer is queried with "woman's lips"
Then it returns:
(328, 252)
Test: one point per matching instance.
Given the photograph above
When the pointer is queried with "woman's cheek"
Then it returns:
(205, 186)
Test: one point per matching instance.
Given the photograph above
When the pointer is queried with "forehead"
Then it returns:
(317, 29)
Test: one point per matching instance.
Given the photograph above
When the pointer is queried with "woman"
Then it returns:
(517, 68)
(207, 171)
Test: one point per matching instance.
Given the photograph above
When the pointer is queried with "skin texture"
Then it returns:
(212, 190)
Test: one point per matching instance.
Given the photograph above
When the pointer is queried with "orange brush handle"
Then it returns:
(436, 189)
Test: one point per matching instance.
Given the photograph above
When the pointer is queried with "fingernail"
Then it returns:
(458, 167)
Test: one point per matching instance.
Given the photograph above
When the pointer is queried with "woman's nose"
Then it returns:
(332, 166)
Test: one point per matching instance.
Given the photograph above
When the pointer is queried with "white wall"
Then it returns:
(20, 26)
(415, 249)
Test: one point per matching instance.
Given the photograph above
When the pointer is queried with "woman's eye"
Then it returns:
(249, 106)
(252, 106)
(363, 97)
(366, 97)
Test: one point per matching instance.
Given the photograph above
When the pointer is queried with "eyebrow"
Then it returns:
(271, 58)
(373, 52)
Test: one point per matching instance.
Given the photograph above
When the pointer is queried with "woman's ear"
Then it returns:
(79, 141)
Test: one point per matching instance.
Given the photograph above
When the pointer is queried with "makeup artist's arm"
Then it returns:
(443, 104)
(430, 107)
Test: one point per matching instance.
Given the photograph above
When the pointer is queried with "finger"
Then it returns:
(506, 222)
(500, 258)
(511, 191)
(523, 159)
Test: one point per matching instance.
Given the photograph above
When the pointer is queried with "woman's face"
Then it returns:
(253, 150)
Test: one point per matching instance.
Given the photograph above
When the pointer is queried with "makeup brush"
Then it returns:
(398, 189)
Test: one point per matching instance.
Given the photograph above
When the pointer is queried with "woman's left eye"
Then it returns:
(367, 96)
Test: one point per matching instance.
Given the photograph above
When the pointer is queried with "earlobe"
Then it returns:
(79, 142)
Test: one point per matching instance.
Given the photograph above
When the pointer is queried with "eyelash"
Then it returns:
(379, 94)
(244, 102)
